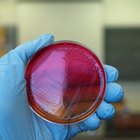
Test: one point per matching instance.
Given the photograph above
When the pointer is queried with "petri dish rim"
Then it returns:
(40, 112)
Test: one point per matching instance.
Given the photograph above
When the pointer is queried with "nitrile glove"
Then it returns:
(18, 122)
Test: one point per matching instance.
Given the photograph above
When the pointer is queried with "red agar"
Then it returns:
(65, 82)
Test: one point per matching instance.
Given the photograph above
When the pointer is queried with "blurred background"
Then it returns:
(111, 28)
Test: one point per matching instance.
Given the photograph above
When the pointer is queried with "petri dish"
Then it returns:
(65, 82)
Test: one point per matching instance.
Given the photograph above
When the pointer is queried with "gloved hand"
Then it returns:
(18, 122)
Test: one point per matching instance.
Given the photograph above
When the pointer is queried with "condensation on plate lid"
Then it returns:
(65, 82)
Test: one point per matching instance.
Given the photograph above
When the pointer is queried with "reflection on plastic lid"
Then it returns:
(65, 82)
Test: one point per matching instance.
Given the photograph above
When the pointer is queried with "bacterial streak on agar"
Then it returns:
(65, 82)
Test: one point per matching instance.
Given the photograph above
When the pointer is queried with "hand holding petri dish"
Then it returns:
(65, 82)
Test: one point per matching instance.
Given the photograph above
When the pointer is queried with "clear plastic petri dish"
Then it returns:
(65, 82)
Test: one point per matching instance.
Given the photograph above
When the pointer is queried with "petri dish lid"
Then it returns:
(65, 82)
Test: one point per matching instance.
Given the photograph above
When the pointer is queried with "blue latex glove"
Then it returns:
(18, 122)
